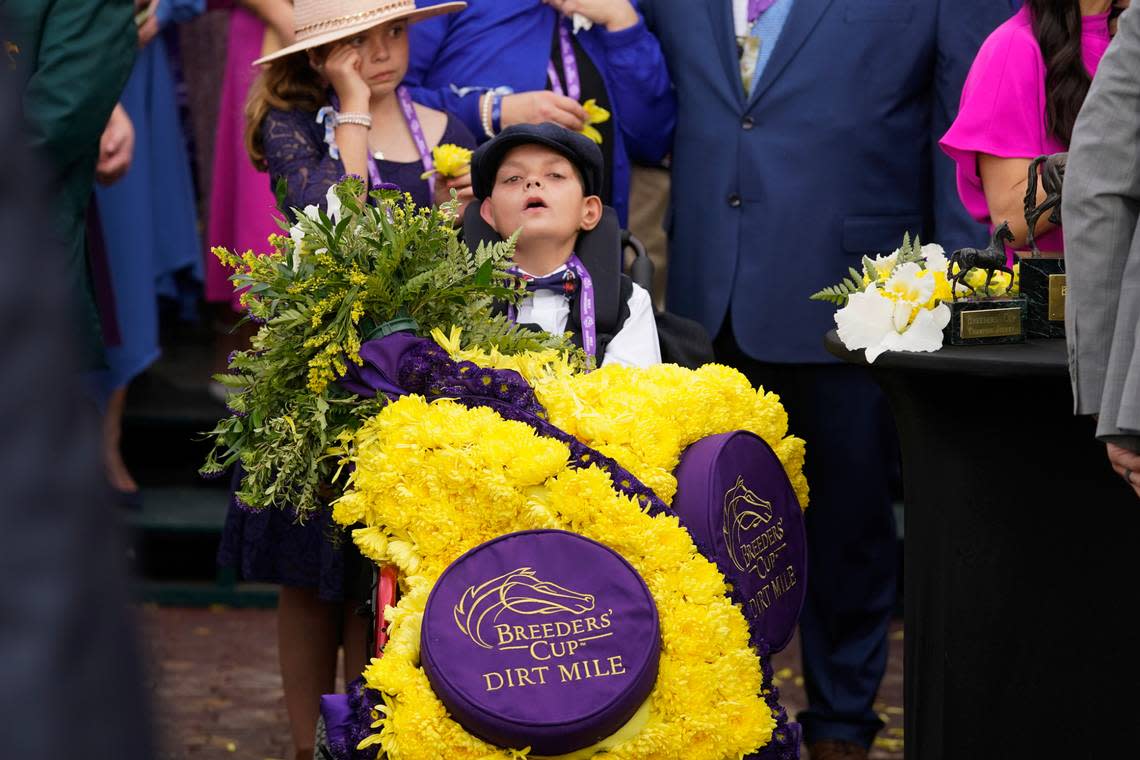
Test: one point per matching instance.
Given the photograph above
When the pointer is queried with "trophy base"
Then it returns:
(986, 321)
(1044, 287)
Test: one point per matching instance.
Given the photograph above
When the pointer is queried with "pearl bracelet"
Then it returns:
(485, 113)
(363, 119)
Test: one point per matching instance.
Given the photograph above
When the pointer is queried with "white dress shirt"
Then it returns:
(740, 17)
(635, 344)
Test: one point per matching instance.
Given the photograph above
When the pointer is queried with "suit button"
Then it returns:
(748, 123)
(734, 200)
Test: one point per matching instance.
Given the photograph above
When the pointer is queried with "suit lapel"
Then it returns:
(723, 28)
(802, 19)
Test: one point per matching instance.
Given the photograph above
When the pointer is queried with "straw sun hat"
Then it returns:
(319, 22)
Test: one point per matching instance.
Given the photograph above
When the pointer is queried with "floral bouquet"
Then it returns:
(895, 303)
(378, 356)
(344, 275)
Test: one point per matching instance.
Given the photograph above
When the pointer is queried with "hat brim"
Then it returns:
(419, 14)
(493, 155)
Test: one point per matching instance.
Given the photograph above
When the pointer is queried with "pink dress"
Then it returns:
(1002, 112)
(242, 205)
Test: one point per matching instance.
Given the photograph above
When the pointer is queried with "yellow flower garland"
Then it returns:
(478, 476)
(645, 417)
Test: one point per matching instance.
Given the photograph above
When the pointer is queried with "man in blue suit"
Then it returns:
(805, 139)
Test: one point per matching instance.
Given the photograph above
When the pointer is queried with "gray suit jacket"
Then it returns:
(1102, 243)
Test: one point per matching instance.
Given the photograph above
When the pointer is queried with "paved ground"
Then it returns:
(217, 691)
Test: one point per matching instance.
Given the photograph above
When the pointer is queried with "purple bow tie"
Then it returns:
(756, 7)
(565, 282)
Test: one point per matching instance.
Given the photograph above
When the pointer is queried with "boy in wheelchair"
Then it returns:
(565, 240)
(543, 180)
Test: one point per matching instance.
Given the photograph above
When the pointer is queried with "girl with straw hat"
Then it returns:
(331, 104)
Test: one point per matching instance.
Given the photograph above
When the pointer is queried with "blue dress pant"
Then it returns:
(851, 460)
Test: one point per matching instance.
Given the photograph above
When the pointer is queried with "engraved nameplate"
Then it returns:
(1058, 289)
(991, 323)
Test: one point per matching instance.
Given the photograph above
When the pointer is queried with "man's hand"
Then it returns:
(116, 147)
(538, 106)
(1126, 464)
(614, 15)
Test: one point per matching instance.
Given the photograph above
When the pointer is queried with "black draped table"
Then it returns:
(1020, 559)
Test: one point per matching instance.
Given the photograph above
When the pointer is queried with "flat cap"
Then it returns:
(577, 148)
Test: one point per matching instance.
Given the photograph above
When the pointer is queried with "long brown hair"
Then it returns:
(1057, 27)
(285, 84)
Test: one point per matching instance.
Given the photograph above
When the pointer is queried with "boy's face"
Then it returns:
(538, 189)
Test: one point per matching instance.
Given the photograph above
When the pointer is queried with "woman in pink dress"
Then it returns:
(1019, 102)
(242, 205)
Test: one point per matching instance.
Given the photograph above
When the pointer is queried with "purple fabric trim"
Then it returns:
(379, 366)
(338, 722)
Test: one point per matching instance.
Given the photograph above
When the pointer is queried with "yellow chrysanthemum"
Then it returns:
(595, 114)
(450, 161)
(707, 702)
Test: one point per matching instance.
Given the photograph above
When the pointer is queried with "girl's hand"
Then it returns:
(342, 69)
(614, 15)
(463, 192)
(538, 106)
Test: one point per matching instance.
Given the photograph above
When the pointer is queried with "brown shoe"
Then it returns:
(834, 749)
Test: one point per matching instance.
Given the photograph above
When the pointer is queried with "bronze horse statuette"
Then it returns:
(1052, 170)
(990, 259)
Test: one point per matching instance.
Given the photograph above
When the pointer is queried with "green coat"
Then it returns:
(72, 59)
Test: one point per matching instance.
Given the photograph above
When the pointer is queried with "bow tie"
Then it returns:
(756, 7)
(564, 282)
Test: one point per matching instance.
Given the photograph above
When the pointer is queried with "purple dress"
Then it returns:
(269, 546)
(295, 150)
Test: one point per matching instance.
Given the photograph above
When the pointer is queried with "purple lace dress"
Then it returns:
(269, 546)
(295, 150)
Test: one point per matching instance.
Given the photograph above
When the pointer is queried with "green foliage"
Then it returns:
(331, 285)
(854, 283)
(910, 252)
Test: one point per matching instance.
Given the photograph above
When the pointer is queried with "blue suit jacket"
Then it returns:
(497, 43)
(833, 155)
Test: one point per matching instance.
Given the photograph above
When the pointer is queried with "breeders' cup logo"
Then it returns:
(519, 592)
(750, 534)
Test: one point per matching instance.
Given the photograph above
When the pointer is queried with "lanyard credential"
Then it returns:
(573, 88)
(414, 126)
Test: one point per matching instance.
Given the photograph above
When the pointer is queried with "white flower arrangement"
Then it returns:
(895, 303)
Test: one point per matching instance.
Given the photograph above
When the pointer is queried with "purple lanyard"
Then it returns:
(417, 130)
(585, 306)
(573, 87)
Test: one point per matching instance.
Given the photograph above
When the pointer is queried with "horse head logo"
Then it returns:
(743, 511)
(520, 592)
